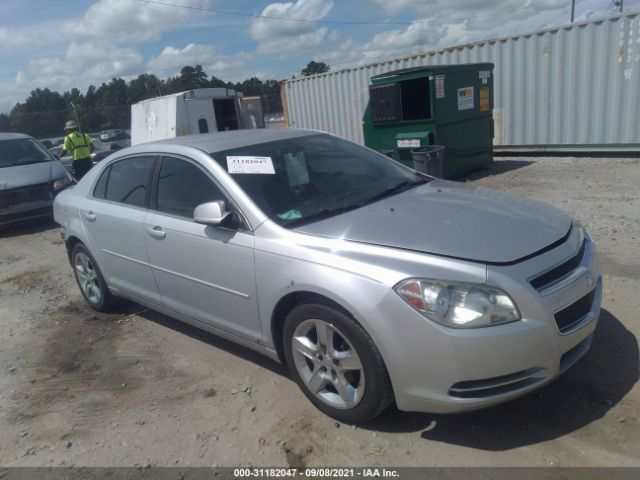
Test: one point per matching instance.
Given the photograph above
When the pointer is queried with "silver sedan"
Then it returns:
(372, 282)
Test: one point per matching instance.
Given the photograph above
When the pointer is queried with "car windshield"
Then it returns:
(22, 151)
(301, 180)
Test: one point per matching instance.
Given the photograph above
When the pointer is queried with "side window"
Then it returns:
(127, 181)
(101, 187)
(182, 187)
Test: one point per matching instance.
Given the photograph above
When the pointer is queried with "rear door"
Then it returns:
(113, 219)
(205, 272)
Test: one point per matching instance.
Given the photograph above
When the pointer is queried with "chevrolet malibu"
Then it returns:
(371, 282)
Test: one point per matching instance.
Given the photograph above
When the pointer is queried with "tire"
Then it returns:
(319, 345)
(89, 278)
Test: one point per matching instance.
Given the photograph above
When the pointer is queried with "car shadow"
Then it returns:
(498, 167)
(28, 227)
(583, 395)
(215, 341)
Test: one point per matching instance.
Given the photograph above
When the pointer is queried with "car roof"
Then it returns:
(11, 136)
(219, 141)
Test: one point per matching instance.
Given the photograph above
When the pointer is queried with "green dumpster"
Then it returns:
(436, 105)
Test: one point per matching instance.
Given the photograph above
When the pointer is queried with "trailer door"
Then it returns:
(226, 114)
(251, 112)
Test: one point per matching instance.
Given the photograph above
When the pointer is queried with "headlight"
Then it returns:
(458, 305)
(61, 183)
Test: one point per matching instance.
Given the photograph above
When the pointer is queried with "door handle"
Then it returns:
(89, 215)
(156, 232)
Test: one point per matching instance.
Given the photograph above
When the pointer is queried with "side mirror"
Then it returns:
(210, 213)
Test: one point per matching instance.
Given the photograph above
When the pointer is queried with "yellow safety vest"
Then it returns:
(78, 144)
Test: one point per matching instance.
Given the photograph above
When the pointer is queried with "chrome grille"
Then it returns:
(556, 274)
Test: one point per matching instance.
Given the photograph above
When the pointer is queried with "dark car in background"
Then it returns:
(30, 177)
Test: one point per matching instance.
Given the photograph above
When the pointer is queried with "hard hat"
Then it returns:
(70, 125)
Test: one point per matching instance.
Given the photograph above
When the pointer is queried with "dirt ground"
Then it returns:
(138, 388)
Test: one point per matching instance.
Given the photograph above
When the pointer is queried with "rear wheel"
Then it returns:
(90, 280)
(336, 364)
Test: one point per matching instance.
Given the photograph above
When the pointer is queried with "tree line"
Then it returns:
(45, 111)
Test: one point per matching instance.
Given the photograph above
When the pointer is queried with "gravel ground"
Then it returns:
(138, 388)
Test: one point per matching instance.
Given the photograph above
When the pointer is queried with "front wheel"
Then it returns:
(336, 364)
(90, 280)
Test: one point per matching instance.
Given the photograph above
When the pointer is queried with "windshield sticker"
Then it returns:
(290, 215)
(250, 165)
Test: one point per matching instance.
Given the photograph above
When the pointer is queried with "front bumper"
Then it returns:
(444, 370)
(26, 211)
(27, 203)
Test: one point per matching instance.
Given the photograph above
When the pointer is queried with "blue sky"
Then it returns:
(60, 44)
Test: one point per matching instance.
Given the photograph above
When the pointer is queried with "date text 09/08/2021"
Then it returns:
(315, 472)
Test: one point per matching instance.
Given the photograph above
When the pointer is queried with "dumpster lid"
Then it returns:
(436, 69)
(410, 135)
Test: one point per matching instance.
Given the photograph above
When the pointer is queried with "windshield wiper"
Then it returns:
(400, 187)
(330, 212)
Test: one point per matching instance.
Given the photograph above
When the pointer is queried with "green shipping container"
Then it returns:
(436, 105)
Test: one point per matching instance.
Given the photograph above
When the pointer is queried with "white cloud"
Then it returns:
(13, 38)
(421, 34)
(32, 36)
(284, 36)
(471, 8)
(172, 59)
(127, 21)
(445, 23)
(487, 19)
(82, 65)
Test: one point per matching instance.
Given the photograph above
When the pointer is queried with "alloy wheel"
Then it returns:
(328, 364)
(88, 278)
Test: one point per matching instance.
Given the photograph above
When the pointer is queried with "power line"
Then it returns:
(326, 22)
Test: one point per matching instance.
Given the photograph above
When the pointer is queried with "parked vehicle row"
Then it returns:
(371, 282)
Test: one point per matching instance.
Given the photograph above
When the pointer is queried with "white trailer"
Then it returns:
(195, 111)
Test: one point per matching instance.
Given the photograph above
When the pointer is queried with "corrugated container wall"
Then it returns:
(572, 85)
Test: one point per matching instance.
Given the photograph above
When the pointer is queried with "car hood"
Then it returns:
(31, 174)
(454, 220)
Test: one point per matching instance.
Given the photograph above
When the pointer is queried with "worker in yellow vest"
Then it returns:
(81, 146)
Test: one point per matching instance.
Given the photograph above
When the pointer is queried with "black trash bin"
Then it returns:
(428, 160)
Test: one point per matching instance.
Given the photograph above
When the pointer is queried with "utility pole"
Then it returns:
(573, 9)
(75, 115)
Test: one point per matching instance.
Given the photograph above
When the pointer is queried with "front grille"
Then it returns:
(32, 193)
(574, 313)
(558, 273)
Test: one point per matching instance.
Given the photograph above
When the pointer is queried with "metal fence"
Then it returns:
(575, 85)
